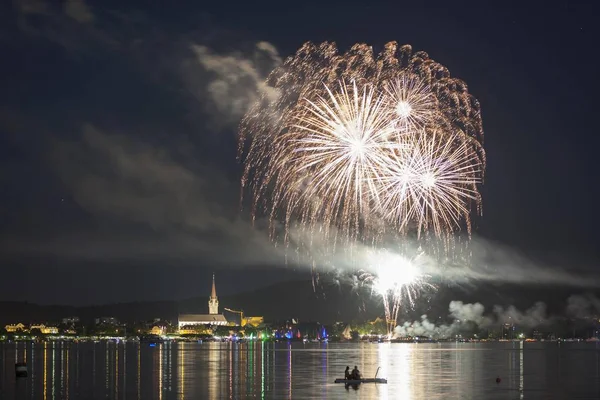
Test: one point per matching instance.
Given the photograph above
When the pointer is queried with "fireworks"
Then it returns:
(358, 148)
(427, 183)
(363, 146)
(412, 102)
(395, 279)
(334, 150)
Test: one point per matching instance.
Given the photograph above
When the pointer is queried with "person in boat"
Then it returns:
(355, 373)
(347, 373)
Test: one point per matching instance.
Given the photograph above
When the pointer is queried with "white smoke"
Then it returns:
(583, 306)
(467, 316)
(534, 316)
(487, 261)
(231, 83)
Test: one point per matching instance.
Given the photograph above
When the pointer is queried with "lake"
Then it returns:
(108, 370)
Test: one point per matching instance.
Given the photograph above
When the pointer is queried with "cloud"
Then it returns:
(222, 84)
(79, 11)
(31, 6)
(231, 83)
(150, 202)
(151, 199)
(115, 175)
(493, 262)
(68, 24)
(75, 9)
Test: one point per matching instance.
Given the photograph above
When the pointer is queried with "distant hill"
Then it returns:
(297, 299)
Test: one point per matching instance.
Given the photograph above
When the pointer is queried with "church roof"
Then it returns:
(202, 318)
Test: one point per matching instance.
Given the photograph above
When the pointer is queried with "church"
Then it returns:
(212, 318)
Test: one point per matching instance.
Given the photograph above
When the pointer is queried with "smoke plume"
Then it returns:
(467, 318)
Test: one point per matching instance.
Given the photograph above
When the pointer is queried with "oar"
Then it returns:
(377, 372)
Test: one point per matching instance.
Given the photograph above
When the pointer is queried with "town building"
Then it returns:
(107, 321)
(12, 328)
(46, 330)
(238, 319)
(212, 318)
(254, 321)
(158, 330)
(70, 321)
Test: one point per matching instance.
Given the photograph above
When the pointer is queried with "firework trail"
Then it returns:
(359, 147)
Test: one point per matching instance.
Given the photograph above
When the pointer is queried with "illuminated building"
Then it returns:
(15, 327)
(212, 318)
(157, 327)
(195, 330)
(244, 321)
(158, 330)
(253, 321)
(46, 330)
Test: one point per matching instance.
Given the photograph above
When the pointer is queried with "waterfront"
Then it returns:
(118, 370)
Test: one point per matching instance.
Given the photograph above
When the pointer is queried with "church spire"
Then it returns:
(213, 294)
(213, 302)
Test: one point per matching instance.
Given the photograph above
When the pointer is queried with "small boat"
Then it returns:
(359, 381)
(363, 380)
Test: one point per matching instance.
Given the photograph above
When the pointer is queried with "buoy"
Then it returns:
(21, 370)
(498, 380)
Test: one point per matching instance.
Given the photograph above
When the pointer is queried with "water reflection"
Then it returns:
(521, 386)
(117, 370)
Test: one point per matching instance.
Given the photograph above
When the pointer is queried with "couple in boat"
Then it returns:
(352, 376)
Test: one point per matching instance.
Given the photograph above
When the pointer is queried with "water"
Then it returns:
(61, 370)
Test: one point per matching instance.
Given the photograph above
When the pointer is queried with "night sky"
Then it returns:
(118, 171)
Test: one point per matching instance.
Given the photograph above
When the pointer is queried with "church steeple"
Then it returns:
(213, 302)
(213, 294)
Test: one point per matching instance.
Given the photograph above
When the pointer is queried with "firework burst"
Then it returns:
(334, 151)
(361, 148)
(428, 183)
(364, 146)
(411, 103)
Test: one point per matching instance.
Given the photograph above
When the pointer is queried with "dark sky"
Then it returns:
(118, 177)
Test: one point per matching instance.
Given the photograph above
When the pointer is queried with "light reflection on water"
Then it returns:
(61, 370)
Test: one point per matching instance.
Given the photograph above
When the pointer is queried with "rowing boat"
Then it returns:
(359, 381)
